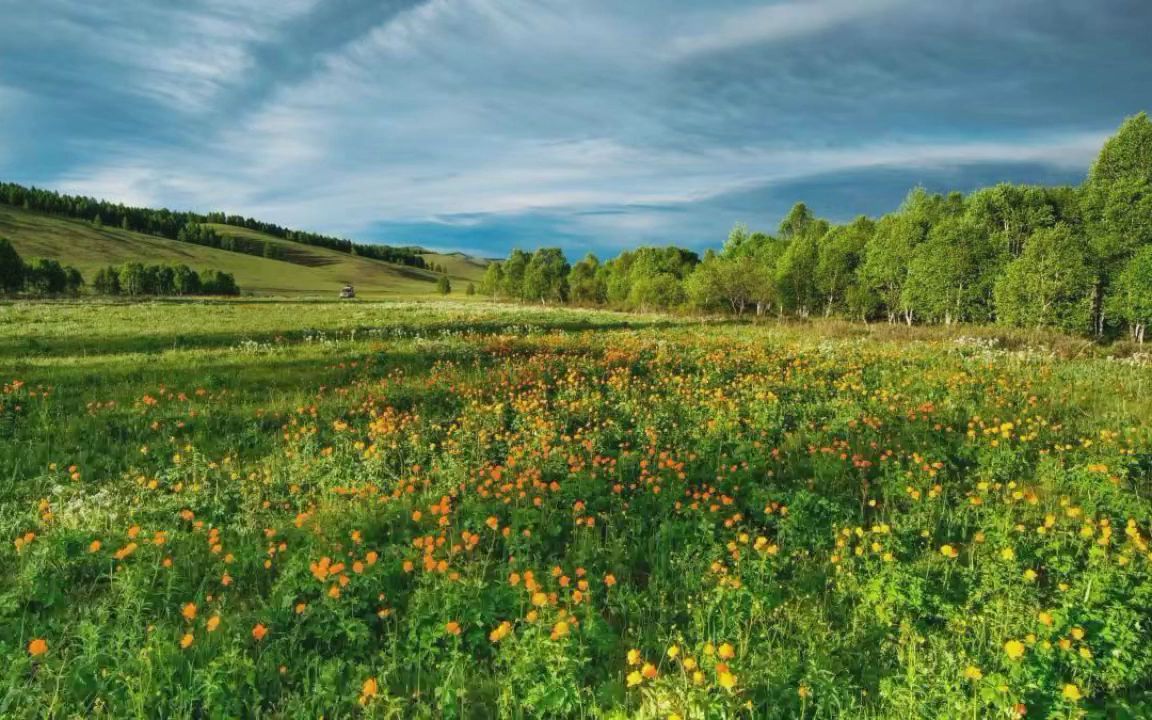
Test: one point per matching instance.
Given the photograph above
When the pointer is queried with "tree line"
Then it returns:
(135, 279)
(45, 276)
(1078, 259)
(40, 276)
(170, 224)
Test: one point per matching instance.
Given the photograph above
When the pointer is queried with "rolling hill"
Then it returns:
(301, 270)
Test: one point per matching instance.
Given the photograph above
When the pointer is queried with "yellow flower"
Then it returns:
(1045, 618)
(1071, 693)
(673, 652)
(633, 657)
(726, 652)
(973, 673)
(726, 680)
(948, 551)
(559, 630)
(1014, 649)
(635, 678)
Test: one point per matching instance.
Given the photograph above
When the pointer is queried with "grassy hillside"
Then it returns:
(304, 270)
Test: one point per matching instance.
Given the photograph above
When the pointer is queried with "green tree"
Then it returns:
(839, 256)
(1117, 206)
(470, 290)
(1049, 285)
(586, 283)
(951, 274)
(106, 281)
(514, 268)
(46, 276)
(1131, 298)
(11, 268)
(185, 281)
(884, 272)
(493, 281)
(443, 285)
(546, 276)
(74, 280)
(796, 269)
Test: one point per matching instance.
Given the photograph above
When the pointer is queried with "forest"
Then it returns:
(187, 226)
(1077, 259)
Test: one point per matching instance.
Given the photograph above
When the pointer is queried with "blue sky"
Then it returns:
(598, 125)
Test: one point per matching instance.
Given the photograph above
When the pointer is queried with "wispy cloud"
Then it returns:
(791, 20)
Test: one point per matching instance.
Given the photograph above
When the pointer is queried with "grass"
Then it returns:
(411, 509)
(305, 271)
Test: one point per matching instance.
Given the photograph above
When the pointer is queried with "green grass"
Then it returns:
(827, 521)
(305, 271)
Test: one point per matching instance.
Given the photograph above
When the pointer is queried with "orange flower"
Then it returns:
(259, 631)
(186, 641)
(37, 647)
(609, 579)
(188, 611)
(368, 690)
(213, 623)
(452, 627)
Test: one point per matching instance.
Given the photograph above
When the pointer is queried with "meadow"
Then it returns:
(290, 509)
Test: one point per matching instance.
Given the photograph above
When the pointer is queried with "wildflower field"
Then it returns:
(275, 509)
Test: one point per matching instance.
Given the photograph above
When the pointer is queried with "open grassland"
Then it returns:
(304, 270)
(289, 509)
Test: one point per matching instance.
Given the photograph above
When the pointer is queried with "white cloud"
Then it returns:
(769, 23)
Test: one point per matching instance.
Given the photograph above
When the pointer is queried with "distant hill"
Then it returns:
(299, 270)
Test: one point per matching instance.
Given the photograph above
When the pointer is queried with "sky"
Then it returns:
(595, 125)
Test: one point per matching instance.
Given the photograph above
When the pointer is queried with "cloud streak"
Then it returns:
(588, 122)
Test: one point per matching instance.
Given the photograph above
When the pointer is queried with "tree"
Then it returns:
(950, 276)
(470, 290)
(884, 272)
(514, 268)
(1117, 206)
(1131, 298)
(586, 284)
(726, 281)
(11, 268)
(185, 281)
(546, 276)
(73, 281)
(443, 285)
(1049, 285)
(106, 281)
(46, 276)
(796, 268)
(493, 281)
(838, 258)
(132, 279)
(215, 282)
